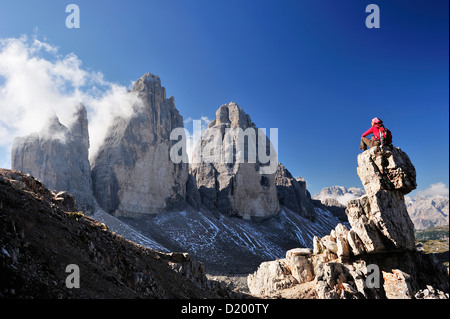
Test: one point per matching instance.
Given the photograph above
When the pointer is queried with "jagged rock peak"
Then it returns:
(148, 80)
(53, 125)
(380, 218)
(137, 149)
(233, 115)
(79, 127)
(292, 193)
(234, 178)
(58, 156)
(386, 168)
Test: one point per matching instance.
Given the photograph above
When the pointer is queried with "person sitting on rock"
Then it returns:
(375, 131)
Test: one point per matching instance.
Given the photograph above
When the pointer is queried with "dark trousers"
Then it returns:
(366, 142)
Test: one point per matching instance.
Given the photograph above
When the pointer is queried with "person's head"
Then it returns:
(376, 121)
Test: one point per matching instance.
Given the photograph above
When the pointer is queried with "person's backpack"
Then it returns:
(385, 136)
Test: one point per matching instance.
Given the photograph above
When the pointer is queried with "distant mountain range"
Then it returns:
(425, 212)
(428, 212)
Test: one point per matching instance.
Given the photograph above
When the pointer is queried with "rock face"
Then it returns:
(229, 171)
(425, 212)
(386, 168)
(58, 156)
(380, 217)
(375, 258)
(132, 172)
(292, 193)
(273, 276)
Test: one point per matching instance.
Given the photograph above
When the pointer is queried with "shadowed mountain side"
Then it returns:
(232, 245)
(38, 240)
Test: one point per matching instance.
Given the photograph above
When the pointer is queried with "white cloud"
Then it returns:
(345, 198)
(438, 189)
(36, 81)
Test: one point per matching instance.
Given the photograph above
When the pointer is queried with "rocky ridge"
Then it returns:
(376, 257)
(41, 233)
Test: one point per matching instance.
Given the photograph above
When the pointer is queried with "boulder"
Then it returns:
(301, 268)
(329, 278)
(343, 247)
(26, 182)
(386, 168)
(298, 252)
(397, 285)
(270, 277)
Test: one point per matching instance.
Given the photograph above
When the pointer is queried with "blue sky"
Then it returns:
(312, 69)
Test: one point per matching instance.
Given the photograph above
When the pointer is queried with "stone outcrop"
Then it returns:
(376, 257)
(132, 172)
(380, 218)
(58, 156)
(386, 168)
(229, 172)
(275, 275)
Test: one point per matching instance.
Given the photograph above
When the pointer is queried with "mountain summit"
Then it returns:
(58, 155)
(229, 173)
(132, 172)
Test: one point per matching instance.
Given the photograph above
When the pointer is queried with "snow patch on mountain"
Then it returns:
(229, 245)
(126, 230)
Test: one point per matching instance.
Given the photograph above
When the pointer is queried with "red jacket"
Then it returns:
(375, 130)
